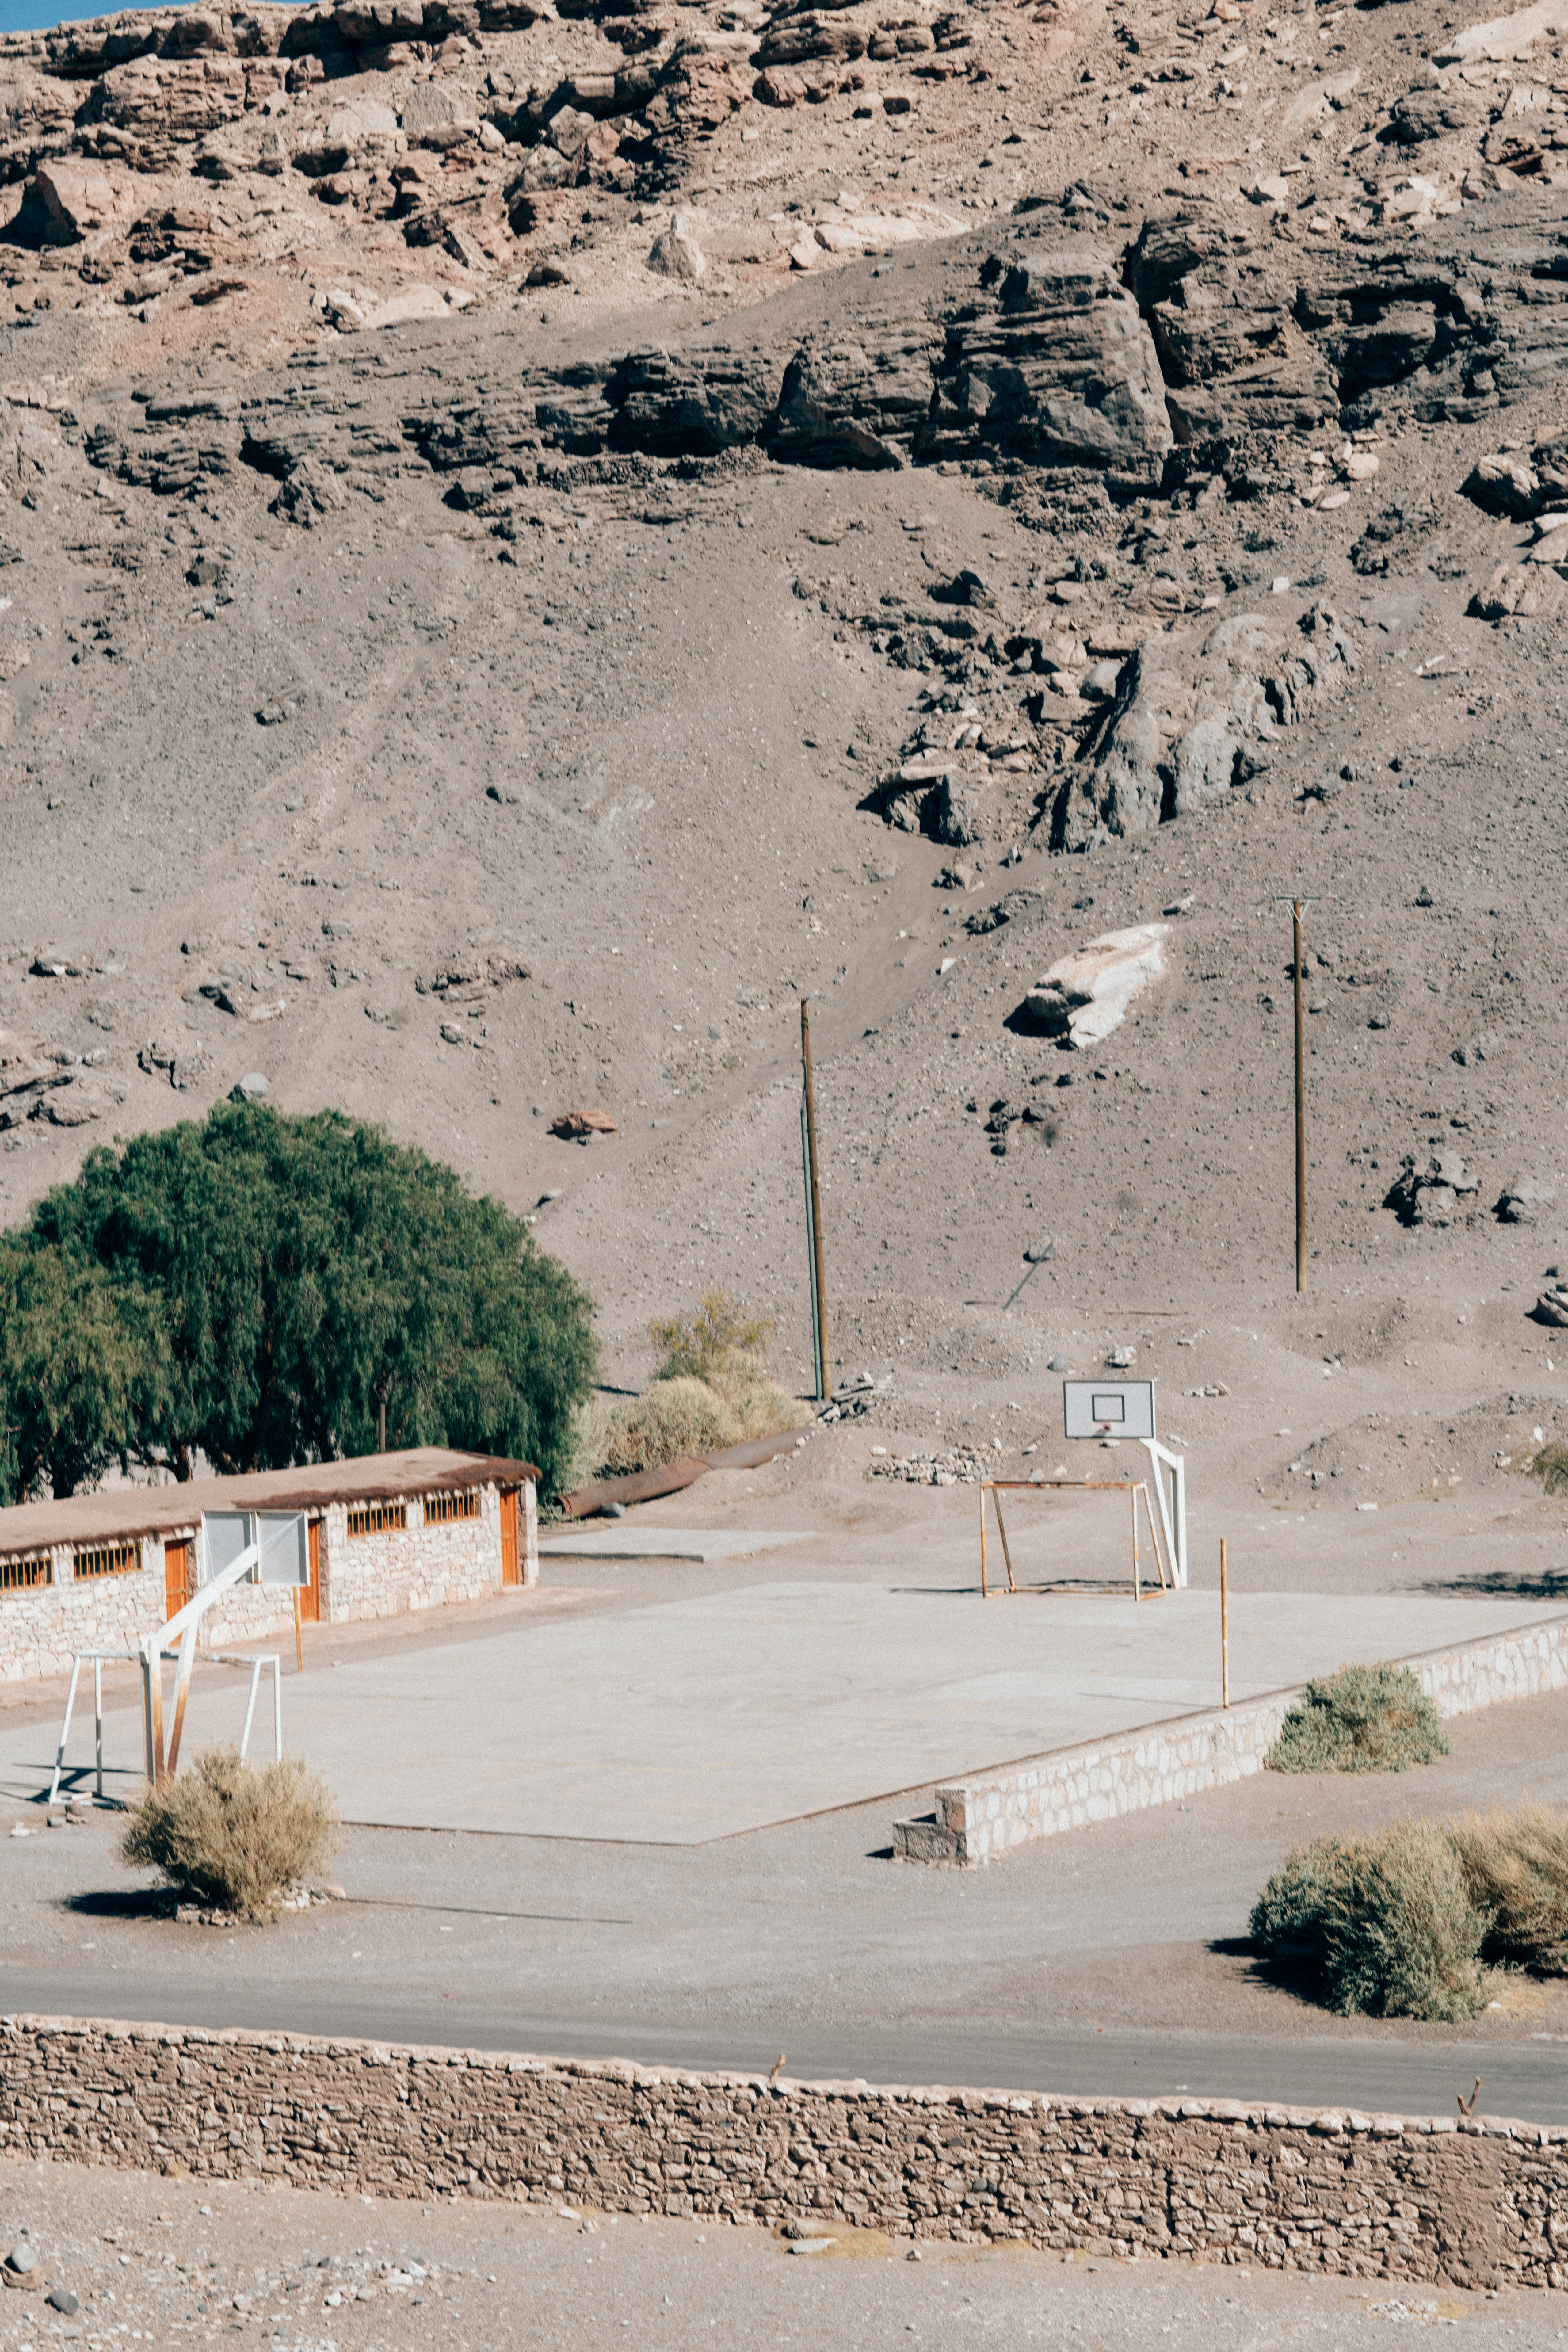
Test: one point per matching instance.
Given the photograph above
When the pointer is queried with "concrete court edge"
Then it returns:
(978, 1819)
(1472, 2203)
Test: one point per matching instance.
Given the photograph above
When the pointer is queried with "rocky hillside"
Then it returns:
(535, 537)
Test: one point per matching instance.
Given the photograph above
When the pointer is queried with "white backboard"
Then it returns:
(1108, 1408)
(282, 1537)
(224, 1535)
(285, 1546)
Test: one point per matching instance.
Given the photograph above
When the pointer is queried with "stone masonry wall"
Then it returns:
(40, 1631)
(976, 1820)
(416, 1567)
(1476, 2204)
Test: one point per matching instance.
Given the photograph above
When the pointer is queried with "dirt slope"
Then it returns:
(1073, 501)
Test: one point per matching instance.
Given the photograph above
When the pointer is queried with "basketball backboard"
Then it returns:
(1108, 1408)
(280, 1536)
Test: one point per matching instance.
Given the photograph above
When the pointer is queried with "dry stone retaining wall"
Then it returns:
(976, 1820)
(1477, 2203)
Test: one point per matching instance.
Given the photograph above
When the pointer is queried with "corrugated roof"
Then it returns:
(126, 1511)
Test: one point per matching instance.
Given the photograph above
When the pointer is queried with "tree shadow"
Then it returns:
(1509, 1584)
(122, 1903)
(1298, 1974)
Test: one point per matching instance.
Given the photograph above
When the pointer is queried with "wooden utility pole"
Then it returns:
(1300, 1113)
(814, 1215)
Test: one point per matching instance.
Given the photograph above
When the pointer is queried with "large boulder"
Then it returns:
(1084, 995)
(84, 198)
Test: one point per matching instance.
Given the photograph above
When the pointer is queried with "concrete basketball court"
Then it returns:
(708, 1715)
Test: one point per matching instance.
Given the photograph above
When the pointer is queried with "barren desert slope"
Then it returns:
(534, 538)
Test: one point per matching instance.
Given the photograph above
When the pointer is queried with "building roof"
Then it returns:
(124, 1511)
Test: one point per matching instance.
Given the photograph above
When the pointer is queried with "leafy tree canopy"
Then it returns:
(290, 1275)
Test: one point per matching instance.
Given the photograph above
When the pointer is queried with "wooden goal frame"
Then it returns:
(996, 1488)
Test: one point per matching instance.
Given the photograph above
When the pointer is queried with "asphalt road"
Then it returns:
(1529, 2080)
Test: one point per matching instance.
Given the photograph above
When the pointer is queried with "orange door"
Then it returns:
(176, 1575)
(310, 1594)
(509, 1574)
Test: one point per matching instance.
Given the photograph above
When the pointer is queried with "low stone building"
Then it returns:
(388, 1532)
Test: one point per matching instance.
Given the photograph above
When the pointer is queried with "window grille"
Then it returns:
(25, 1575)
(109, 1559)
(377, 1519)
(439, 1508)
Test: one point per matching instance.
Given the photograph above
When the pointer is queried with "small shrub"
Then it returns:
(675, 1418)
(1404, 1939)
(1363, 1719)
(1289, 1918)
(232, 1837)
(722, 1340)
(1384, 1923)
(1515, 1867)
(1550, 1465)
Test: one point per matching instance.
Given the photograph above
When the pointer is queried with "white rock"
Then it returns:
(1087, 994)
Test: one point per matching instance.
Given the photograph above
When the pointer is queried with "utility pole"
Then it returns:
(1296, 902)
(814, 1213)
(1300, 1114)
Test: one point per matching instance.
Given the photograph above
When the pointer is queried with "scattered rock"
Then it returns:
(1551, 1306)
(676, 255)
(64, 2300)
(22, 2267)
(253, 1087)
(579, 1126)
(1521, 1199)
(1429, 1195)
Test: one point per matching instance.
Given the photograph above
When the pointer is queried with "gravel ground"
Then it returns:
(155, 2261)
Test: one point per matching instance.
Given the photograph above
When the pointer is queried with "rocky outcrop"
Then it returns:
(1061, 371)
(1192, 717)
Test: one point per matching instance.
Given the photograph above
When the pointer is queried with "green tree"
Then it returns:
(81, 1363)
(308, 1270)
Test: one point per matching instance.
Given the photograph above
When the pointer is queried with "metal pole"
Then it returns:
(1224, 1629)
(98, 1718)
(1301, 1116)
(299, 1639)
(824, 1378)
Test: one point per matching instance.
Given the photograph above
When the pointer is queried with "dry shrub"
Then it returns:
(722, 1338)
(1289, 1918)
(1403, 1938)
(1363, 1719)
(232, 1837)
(1516, 1868)
(675, 1418)
(1550, 1465)
(1384, 1925)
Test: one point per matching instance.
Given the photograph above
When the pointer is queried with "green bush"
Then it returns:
(233, 1838)
(1289, 1918)
(675, 1418)
(722, 1340)
(1363, 1719)
(1403, 1938)
(1515, 1867)
(1384, 1925)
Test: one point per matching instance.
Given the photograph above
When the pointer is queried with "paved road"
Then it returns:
(1527, 2080)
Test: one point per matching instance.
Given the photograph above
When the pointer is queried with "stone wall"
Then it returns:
(1477, 2203)
(40, 1631)
(976, 1820)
